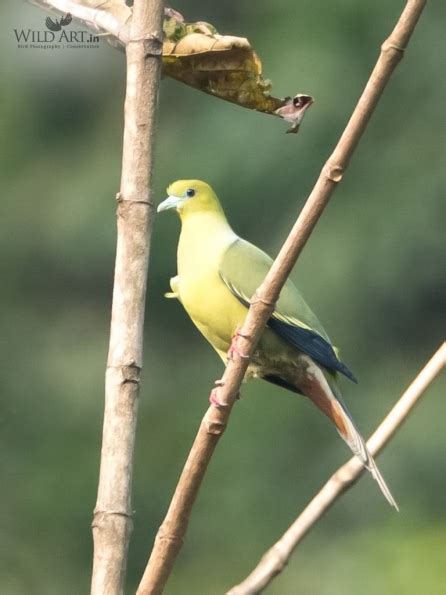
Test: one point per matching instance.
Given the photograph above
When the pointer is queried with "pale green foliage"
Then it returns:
(371, 271)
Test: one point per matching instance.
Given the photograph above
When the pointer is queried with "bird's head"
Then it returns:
(190, 196)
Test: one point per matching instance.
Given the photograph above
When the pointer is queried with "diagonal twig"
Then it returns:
(95, 15)
(276, 558)
(173, 529)
(112, 522)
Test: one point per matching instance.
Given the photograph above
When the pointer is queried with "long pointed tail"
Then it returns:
(356, 442)
(329, 402)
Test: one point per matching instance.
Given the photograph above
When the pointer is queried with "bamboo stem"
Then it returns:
(276, 558)
(171, 533)
(112, 522)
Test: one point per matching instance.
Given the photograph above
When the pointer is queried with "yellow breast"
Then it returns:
(212, 307)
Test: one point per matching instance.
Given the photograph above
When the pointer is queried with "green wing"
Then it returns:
(243, 268)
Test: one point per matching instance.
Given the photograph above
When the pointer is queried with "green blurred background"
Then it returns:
(371, 271)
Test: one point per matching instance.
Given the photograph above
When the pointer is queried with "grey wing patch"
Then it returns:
(244, 299)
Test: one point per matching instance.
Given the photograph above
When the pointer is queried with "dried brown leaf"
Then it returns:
(226, 67)
(196, 55)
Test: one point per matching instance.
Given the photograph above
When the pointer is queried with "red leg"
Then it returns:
(213, 400)
(233, 347)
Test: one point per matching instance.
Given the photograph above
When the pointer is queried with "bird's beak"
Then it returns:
(171, 202)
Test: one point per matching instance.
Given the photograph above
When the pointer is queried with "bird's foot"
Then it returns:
(213, 399)
(233, 347)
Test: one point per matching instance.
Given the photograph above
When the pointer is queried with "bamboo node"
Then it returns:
(333, 172)
(164, 535)
(153, 47)
(216, 428)
(279, 555)
(152, 43)
(258, 299)
(387, 46)
(120, 198)
(99, 514)
(347, 474)
(131, 373)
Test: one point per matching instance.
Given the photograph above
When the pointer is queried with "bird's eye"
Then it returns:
(190, 192)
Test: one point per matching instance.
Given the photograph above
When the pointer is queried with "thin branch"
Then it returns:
(277, 557)
(112, 522)
(94, 15)
(173, 529)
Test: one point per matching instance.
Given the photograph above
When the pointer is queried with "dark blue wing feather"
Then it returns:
(312, 344)
(292, 320)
